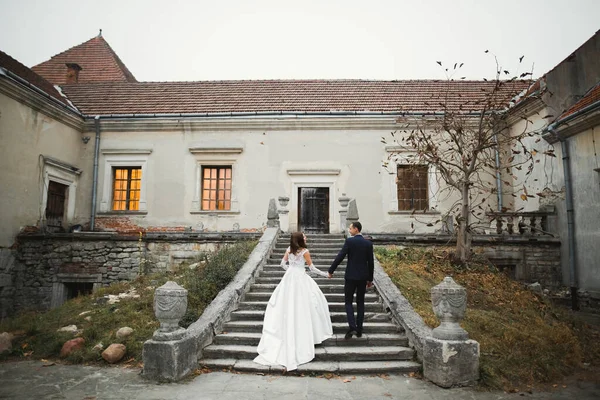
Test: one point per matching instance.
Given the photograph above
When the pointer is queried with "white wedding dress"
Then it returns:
(297, 317)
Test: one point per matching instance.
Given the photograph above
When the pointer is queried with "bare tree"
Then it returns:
(471, 143)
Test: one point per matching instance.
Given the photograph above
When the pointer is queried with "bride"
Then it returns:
(297, 314)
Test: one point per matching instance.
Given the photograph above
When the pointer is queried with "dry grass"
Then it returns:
(36, 332)
(524, 339)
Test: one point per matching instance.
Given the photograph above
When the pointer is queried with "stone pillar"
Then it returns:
(343, 211)
(171, 354)
(352, 213)
(284, 216)
(272, 216)
(450, 358)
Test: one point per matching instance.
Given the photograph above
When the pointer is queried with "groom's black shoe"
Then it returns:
(350, 333)
(359, 333)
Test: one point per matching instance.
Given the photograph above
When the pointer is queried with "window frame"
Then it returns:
(218, 189)
(213, 155)
(122, 158)
(424, 198)
(128, 189)
(402, 155)
(65, 174)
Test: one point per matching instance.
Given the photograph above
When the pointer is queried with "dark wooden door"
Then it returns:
(313, 210)
(55, 206)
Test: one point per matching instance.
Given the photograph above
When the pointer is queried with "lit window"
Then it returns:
(216, 188)
(127, 183)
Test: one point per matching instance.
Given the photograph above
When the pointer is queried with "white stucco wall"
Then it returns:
(584, 149)
(548, 177)
(26, 135)
(276, 158)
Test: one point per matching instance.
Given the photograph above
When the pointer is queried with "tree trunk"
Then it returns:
(463, 240)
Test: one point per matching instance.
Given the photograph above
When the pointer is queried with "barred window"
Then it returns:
(216, 188)
(412, 184)
(127, 183)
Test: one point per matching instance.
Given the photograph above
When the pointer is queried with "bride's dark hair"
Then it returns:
(297, 242)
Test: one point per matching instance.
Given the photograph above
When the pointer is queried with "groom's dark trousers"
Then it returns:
(359, 270)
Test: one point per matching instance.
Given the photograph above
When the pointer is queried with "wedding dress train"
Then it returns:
(297, 317)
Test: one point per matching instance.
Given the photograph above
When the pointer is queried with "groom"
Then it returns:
(359, 275)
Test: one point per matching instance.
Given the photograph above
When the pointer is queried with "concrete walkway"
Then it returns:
(32, 380)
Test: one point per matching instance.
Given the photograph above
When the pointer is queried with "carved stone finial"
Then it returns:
(170, 304)
(343, 199)
(283, 201)
(272, 215)
(449, 301)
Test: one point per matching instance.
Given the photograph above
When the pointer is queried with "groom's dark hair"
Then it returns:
(357, 225)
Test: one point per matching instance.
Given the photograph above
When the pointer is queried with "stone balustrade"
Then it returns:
(532, 223)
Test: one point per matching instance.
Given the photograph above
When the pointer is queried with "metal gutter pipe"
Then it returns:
(95, 179)
(498, 177)
(570, 216)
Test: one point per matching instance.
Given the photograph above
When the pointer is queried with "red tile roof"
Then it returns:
(97, 59)
(282, 96)
(31, 77)
(591, 97)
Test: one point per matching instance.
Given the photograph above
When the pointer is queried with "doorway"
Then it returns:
(313, 209)
(55, 207)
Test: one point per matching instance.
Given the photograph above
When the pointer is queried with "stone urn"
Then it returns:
(283, 201)
(449, 301)
(343, 199)
(170, 304)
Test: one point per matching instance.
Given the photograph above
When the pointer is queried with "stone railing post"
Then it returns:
(284, 216)
(352, 215)
(343, 211)
(450, 358)
(272, 215)
(170, 355)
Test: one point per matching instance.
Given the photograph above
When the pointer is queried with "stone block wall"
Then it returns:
(526, 259)
(7, 289)
(37, 272)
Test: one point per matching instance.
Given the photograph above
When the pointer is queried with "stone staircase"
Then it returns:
(382, 348)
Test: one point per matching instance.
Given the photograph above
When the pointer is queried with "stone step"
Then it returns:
(337, 367)
(338, 316)
(322, 265)
(320, 281)
(269, 287)
(279, 274)
(333, 353)
(367, 339)
(331, 297)
(277, 268)
(313, 252)
(313, 236)
(333, 306)
(322, 245)
(322, 268)
(338, 327)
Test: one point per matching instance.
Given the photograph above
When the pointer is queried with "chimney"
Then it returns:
(73, 73)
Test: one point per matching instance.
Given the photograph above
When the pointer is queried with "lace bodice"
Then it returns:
(297, 261)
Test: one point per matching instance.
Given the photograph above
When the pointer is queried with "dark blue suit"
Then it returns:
(359, 270)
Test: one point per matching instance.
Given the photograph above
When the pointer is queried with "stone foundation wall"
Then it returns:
(7, 289)
(35, 274)
(526, 259)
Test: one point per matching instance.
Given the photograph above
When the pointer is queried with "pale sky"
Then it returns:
(178, 40)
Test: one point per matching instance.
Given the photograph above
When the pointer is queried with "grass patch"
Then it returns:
(36, 333)
(524, 339)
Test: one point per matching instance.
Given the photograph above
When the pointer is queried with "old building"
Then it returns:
(84, 145)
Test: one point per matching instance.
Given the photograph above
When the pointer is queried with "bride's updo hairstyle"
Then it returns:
(297, 242)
